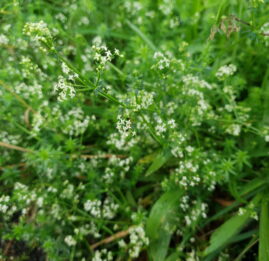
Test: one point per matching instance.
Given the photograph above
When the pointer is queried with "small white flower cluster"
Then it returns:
(8, 138)
(29, 68)
(124, 126)
(166, 7)
(140, 100)
(39, 33)
(121, 142)
(160, 127)
(171, 107)
(65, 89)
(3, 39)
(61, 17)
(102, 255)
(108, 176)
(174, 22)
(75, 122)
(37, 122)
(29, 91)
(109, 209)
(21, 199)
(178, 141)
(56, 211)
(85, 230)
(106, 210)
(102, 56)
(72, 123)
(133, 7)
(122, 166)
(225, 71)
(71, 76)
(185, 203)
(210, 180)
(70, 241)
(84, 20)
(199, 210)
(196, 92)
(162, 61)
(250, 209)
(195, 170)
(191, 80)
(7, 207)
(4, 203)
(69, 191)
(186, 167)
(234, 129)
(138, 240)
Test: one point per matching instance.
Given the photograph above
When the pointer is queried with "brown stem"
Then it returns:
(223, 202)
(112, 238)
(84, 156)
(13, 147)
(104, 156)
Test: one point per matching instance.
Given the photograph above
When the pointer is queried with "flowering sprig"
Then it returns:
(103, 56)
(39, 34)
(226, 71)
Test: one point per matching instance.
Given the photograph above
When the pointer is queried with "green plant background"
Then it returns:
(156, 157)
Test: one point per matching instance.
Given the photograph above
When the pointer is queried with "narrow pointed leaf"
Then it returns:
(158, 162)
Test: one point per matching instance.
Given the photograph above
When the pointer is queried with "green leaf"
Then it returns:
(226, 232)
(159, 161)
(173, 257)
(229, 230)
(252, 185)
(264, 232)
(160, 224)
(142, 35)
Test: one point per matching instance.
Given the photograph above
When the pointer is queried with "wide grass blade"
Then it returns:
(160, 224)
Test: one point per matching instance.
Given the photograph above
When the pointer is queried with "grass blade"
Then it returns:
(160, 224)
(264, 232)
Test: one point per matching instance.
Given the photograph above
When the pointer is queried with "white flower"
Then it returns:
(138, 240)
(3, 39)
(225, 71)
(234, 129)
(70, 241)
(102, 255)
(65, 68)
(94, 207)
(39, 34)
(84, 20)
(123, 126)
(65, 89)
(172, 123)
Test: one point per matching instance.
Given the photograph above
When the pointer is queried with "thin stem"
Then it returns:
(112, 238)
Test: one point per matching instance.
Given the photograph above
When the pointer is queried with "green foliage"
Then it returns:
(130, 130)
